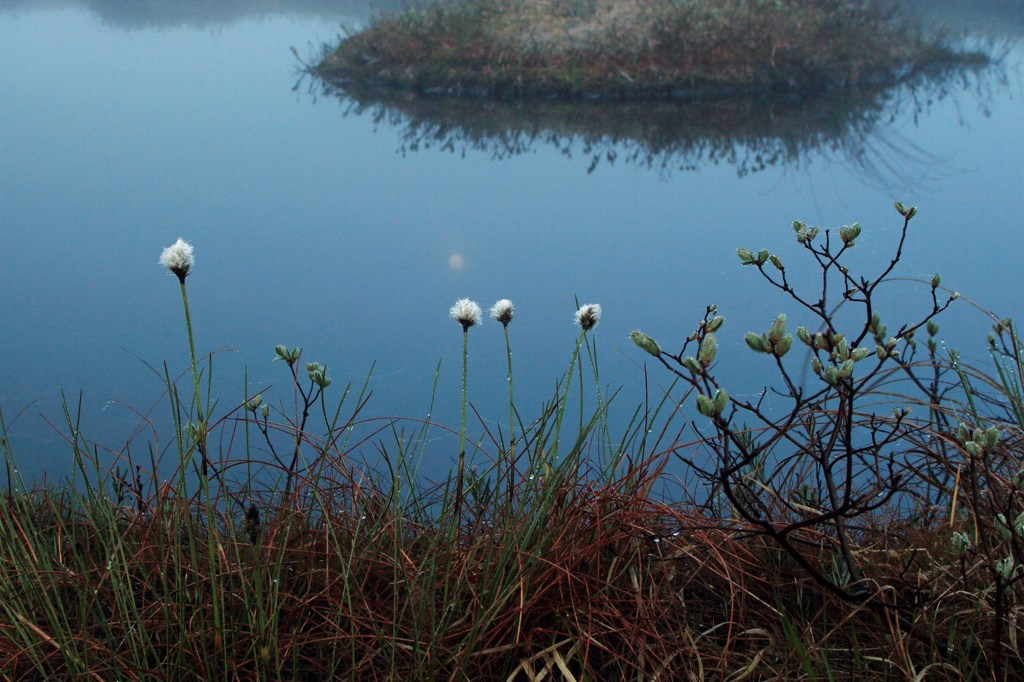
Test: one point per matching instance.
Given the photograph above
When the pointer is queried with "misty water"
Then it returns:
(348, 224)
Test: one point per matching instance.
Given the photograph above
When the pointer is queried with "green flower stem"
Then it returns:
(462, 433)
(201, 428)
(204, 480)
(592, 352)
(511, 423)
(565, 397)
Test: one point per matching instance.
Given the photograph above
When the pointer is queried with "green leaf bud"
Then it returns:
(881, 353)
(801, 231)
(1002, 528)
(762, 256)
(933, 347)
(705, 405)
(877, 328)
(831, 375)
(960, 542)
(991, 437)
(746, 257)
(846, 369)
(858, 354)
(843, 349)
(777, 262)
(962, 434)
(645, 342)
(319, 377)
(911, 212)
(721, 401)
(891, 343)
(804, 335)
(289, 356)
(821, 342)
(973, 449)
(1018, 525)
(817, 366)
(932, 327)
(899, 208)
(690, 363)
(955, 295)
(778, 328)
(265, 410)
(849, 234)
(715, 323)
(1006, 568)
(756, 342)
(783, 345)
(708, 350)
(254, 404)
(936, 280)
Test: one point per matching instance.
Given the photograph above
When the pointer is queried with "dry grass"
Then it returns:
(585, 581)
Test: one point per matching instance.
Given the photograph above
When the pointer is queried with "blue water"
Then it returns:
(319, 224)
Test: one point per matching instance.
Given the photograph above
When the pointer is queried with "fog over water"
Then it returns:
(348, 223)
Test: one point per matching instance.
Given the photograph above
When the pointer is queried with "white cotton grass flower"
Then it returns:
(588, 316)
(466, 312)
(503, 310)
(178, 258)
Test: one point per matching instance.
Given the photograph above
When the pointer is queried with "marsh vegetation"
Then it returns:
(868, 524)
(622, 49)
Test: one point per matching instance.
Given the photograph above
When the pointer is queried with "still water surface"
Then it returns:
(349, 226)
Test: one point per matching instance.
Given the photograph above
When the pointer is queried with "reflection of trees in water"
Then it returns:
(145, 13)
(750, 133)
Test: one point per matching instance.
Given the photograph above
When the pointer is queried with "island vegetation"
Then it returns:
(867, 524)
(637, 49)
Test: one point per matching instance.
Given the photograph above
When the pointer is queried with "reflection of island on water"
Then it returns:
(750, 133)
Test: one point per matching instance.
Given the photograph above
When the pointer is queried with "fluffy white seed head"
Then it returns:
(178, 258)
(503, 311)
(466, 312)
(588, 316)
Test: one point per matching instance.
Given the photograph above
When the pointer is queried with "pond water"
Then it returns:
(349, 226)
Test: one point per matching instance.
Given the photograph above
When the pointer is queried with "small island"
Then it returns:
(637, 49)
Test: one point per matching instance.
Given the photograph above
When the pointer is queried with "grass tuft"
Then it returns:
(628, 49)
